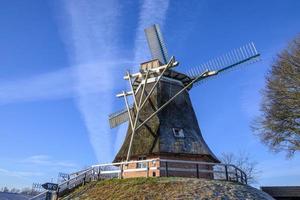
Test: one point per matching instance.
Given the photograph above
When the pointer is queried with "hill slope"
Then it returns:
(13, 196)
(166, 188)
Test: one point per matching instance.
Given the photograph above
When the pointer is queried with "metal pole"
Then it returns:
(57, 193)
(83, 181)
(49, 195)
(242, 176)
(139, 107)
(167, 171)
(147, 169)
(121, 173)
(143, 90)
(226, 172)
(158, 79)
(136, 118)
(203, 75)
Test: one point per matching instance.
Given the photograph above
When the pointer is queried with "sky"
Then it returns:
(62, 63)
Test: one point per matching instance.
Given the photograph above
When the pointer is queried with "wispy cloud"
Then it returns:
(53, 85)
(36, 167)
(276, 171)
(92, 28)
(90, 31)
(58, 84)
(250, 99)
(45, 160)
(19, 174)
(93, 37)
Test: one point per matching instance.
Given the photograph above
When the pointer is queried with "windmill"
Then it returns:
(162, 121)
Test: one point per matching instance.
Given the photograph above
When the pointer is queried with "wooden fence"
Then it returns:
(167, 167)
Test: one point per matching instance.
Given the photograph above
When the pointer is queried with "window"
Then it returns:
(178, 132)
(141, 164)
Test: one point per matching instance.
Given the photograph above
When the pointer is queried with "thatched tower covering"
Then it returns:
(174, 131)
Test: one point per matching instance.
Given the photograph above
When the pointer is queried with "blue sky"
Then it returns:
(62, 63)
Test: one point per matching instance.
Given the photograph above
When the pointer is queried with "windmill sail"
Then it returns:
(244, 55)
(119, 117)
(156, 43)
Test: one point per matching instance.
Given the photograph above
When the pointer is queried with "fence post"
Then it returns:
(57, 193)
(98, 176)
(226, 172)
(197, 165)
(147, 169)
(246, 178)
(83, 182)
(121, 171)
(48, 195)
(242, 177)
(167, 171)
(236, 175)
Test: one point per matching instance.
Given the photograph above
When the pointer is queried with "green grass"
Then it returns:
(131, 188)
(162, 188)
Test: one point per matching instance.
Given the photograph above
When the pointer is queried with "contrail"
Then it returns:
(90, 30)
(59, 84)
(48, 86)
(93, 26)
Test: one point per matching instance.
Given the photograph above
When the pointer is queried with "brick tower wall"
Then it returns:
(165, 169)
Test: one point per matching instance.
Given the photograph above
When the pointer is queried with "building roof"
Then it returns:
(282, 191)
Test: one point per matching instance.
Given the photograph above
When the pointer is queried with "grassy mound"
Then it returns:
(165, 188)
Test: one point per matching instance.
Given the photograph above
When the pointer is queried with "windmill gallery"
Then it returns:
(163, 126)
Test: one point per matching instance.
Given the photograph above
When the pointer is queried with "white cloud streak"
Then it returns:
(58, 84)
(93, 28)
(19, 174)
(53, 85)
(45, 160)
(91, 32)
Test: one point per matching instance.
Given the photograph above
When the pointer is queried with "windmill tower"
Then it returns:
(162, 121)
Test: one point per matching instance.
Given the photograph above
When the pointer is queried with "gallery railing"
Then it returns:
(217, 171)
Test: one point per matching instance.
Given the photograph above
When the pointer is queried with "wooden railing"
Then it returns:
(166, 167)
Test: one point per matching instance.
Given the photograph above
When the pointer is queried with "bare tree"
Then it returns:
(279, 124)
(14, 190)
(244, 162)
(5, 189)
(26, 191)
